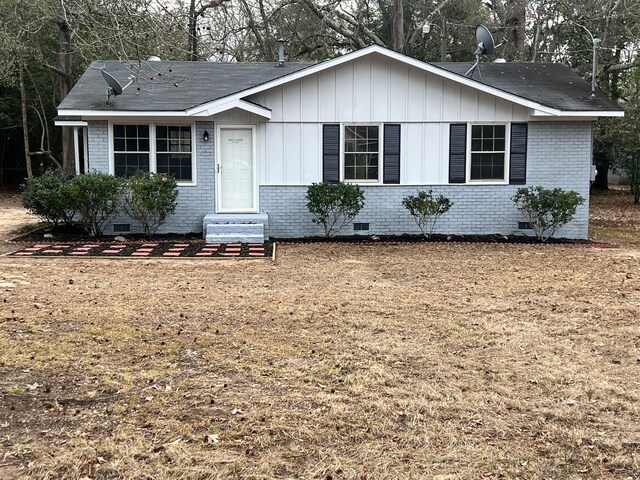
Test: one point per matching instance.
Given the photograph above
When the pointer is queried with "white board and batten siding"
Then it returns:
(373, 89)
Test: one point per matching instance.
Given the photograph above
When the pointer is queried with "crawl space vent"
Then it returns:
(524, 226)
(121, 227)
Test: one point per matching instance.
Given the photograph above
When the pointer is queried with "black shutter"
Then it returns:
(331, 153)
(518, 154)
(457, 153)
(391, 172)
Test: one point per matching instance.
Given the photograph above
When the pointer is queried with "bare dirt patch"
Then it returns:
(12, 217)
(337, 361)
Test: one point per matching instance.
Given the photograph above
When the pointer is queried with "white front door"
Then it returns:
(236, 170)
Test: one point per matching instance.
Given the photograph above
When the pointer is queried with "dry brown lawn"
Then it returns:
(614, 217)
(336, 361)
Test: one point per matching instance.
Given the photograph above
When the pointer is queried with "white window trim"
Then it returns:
(152, 147)
(507, 148)
(380, 152)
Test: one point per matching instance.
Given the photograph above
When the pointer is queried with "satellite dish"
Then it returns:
(114, 85)
(484, 40)
(115, 88)
(485, 46)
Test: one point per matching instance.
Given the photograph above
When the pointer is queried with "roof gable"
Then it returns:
(319, 67)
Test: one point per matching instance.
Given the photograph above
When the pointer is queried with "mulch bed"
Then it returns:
(446, 239)
(147, 249)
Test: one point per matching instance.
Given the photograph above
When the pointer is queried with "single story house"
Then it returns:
(245, 140)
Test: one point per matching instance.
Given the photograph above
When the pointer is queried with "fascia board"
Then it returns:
(87, 114)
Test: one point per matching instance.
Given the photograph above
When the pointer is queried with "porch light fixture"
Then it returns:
(205, 136)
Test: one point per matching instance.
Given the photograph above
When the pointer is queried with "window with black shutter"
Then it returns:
(369, 153)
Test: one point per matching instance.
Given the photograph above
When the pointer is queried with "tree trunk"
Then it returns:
(193, 32)
(397, 26)
(443, 41)
(514, 28)
(66, 84)
(25, 119)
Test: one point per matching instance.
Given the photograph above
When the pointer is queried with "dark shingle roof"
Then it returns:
(170, 86)
(177, 86)
(551, 84)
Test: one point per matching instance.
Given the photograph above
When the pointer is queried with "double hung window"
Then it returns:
(361, 152)
(173, 151)
(488, 150)
(164, 149)
(130, 149)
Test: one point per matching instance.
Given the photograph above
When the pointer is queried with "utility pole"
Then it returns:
(443, 41)
(596, 43)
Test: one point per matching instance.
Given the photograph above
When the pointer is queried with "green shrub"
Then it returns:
(334, 205)
(547, 210)
(47, 197)
(426, 209)
(150, 198)
(96, 197)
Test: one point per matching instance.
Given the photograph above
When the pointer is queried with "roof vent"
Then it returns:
(281, 52)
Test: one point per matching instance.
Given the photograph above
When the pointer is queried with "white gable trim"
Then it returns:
(389, 54)
(214, 108)
(583, 113)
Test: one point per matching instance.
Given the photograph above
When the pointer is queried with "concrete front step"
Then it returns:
(236, 227)
(235, 233)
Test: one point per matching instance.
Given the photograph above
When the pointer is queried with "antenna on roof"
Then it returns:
(485, 46)
(115, 88)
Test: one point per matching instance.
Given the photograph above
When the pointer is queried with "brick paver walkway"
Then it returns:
(142, 250)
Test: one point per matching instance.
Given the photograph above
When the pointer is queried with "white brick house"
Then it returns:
(245, 140)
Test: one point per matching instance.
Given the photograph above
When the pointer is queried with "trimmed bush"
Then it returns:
(426, 209)
(96, 197)
(150, 198)
(334, 205)
(547, 210)
(47, 197)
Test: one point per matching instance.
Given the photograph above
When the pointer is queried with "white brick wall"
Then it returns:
(559, 155)
(194, 202)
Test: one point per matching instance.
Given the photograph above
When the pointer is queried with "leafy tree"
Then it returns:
(547, 210)
(48, 197)
(96, 196)
(150, 198)
(426, 209)
(626, 149)
(334, 205)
